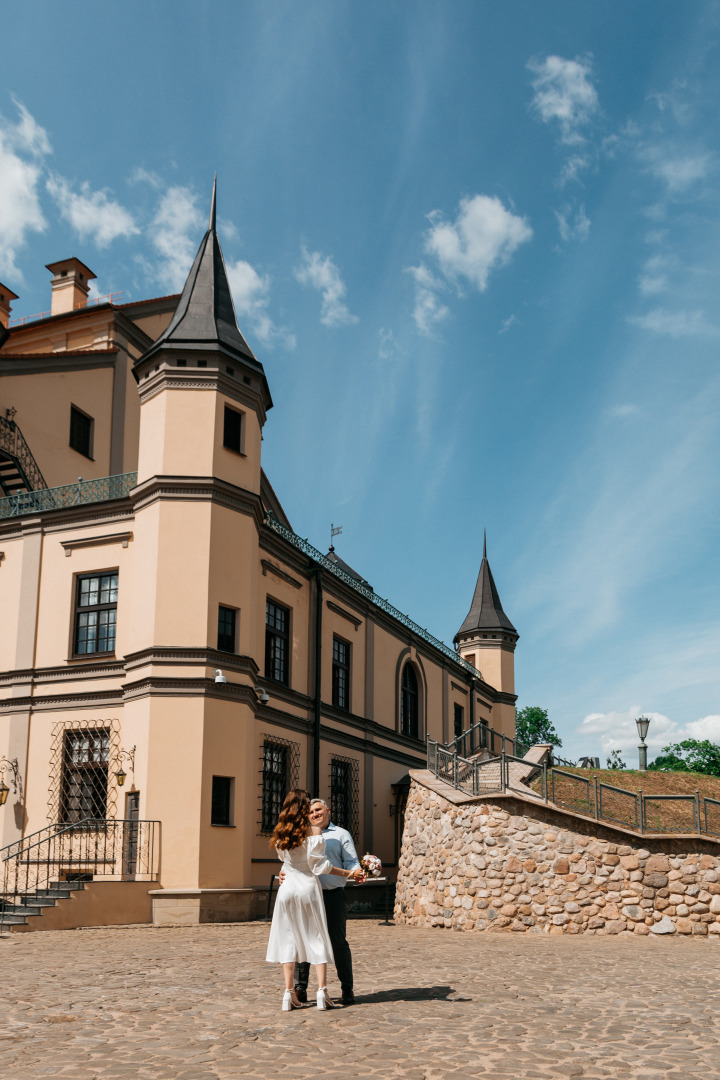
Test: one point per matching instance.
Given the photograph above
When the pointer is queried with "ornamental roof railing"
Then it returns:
(369, 594)
(79, 494)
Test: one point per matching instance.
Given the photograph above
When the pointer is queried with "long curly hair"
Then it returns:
(294, 822)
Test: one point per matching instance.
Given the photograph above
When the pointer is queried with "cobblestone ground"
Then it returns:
(199, 1003)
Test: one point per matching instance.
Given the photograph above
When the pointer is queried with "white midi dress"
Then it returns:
(299, 925)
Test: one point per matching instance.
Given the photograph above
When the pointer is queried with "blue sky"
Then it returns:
(476, 248)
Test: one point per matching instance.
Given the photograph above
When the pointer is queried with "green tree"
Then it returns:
(614, 760)
(532, 726)
(690, 755)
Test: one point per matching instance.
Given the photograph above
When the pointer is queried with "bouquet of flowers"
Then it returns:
(371, 865)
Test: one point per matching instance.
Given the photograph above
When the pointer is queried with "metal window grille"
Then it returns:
(96, 613)
(344, 799)
(341, 674)
(85, 775)
(277, 638)
(81, 432)
(409, 702)
(280, 771)
(226, 629)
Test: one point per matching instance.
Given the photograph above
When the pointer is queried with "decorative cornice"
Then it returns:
(68, 673)
(461, 689)
(268, 566)
(206, 378)
(198, 489)
(49, 521)
(98, 699)
(91, 541)
(179, 655)
(186, 688)
(344, 614)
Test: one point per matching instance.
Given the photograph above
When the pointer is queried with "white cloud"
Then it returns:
(251, 294)
(320, 272)
(621, 411)
(173, 233)
(429, 309)
(617, 731)
(675, 323)
(574, 165)
(574, 224)
(20, 210)
(92, 213)
(507, 323)
(143, 176)
(483, 235)
(564, 93)
(678, 172)
(653, 278)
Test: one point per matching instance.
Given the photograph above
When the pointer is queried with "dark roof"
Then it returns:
(486, 611)
(342, 565)
(205, 315)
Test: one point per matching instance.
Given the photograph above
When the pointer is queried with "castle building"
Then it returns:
(173, 657)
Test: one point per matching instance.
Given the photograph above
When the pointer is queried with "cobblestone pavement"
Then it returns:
(200, 1003)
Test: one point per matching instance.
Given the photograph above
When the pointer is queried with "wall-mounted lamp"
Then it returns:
(219, 677)
(129, 755)
(7, 763)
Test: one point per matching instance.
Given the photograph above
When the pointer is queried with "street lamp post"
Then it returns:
(643, 723)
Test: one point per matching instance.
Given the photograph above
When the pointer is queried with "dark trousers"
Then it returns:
(336, 911)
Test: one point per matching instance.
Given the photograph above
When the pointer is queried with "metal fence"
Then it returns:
(78, 494)
(89, 850)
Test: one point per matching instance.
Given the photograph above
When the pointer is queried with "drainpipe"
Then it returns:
(318, 682)
(472, 715)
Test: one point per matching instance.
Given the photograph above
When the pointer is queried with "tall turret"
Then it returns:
(487, 638)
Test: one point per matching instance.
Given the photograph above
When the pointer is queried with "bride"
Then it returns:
(299, 925)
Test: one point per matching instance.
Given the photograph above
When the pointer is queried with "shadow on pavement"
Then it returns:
(410, 993)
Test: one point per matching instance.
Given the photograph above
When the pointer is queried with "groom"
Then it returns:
(340, 851)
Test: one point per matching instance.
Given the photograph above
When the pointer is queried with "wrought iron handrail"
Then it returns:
(483, 737)
(89, 849)
(13, 442)
(50, 830)
(79, 494)
(327, 564)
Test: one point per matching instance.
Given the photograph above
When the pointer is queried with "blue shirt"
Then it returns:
(340, 851)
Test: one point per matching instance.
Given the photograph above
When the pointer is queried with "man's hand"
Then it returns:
(281, 875)
(358, 876)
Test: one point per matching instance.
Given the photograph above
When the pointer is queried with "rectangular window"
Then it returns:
(341, 674)
(85, 775)
(81, 432)
(232, 430)
(277, 643)
(221, 808)
(95, 613)
(274, 782)
(344, 794)
(458, 721)
(226, 629)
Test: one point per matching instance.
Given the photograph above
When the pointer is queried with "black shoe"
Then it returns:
(348, 997)
(301, 995)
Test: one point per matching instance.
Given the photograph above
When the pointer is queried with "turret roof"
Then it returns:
(486, 612)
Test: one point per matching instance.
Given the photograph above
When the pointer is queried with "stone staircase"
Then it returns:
(30, 905)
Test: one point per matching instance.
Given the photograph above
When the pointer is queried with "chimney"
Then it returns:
(6, 298)
(70, 285)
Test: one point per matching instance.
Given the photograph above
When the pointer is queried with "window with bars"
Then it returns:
(84, 784)
(81, 432)
(95, 613)
(226, 629)
(277, 643)
(341, 674)
(344, 810)
(280, 771)
(409, 702)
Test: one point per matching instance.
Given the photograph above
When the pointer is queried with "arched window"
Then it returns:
(409, 710)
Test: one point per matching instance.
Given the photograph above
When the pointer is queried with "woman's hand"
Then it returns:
(358, 875)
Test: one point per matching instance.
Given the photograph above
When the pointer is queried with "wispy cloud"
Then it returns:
(251, 294)
(92, 214)
(622, 411)
(653, 278)
(507, 323)
(676, 324)
(564, 94)
(678, 172)
(484, 235)
(173, 234)
(23, 145)
(320, 272)
(573, 223)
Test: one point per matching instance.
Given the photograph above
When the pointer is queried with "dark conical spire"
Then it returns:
(486, 612)
(205, 316)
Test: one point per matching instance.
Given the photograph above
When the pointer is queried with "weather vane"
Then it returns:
(335, 530)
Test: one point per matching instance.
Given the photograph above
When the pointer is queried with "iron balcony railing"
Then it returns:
(12, 441)
(34, 868)
(369, 594)
(78, 494)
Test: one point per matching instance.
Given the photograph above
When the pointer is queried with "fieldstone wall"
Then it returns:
(507, 865)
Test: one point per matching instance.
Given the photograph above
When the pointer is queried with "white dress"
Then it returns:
(299, 925)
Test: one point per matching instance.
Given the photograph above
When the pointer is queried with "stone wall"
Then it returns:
(510, 864)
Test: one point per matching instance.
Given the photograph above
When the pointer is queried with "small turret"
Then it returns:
(487, 638)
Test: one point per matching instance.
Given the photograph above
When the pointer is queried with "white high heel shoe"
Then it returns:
(288, 1003)
(323, 1001)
